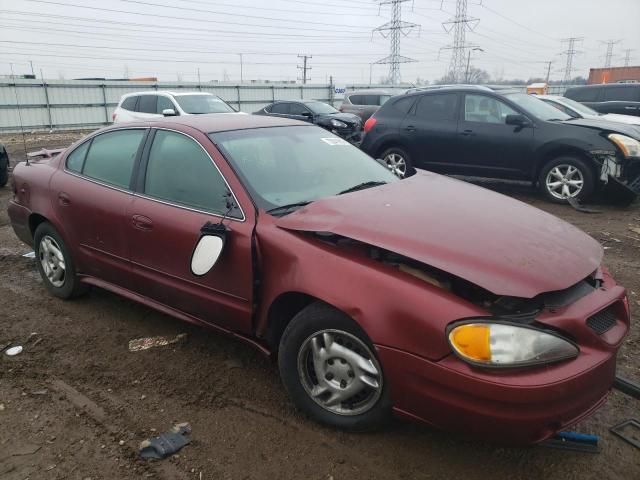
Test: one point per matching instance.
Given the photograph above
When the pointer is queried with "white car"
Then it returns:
(578, 110)
(145, 105)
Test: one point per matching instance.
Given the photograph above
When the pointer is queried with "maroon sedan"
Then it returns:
(428, 297)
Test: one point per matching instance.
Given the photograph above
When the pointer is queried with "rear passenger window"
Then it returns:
(147, 103)
(76, 159)
(111, 156)
(585, 94)
(282, 108)
(356, 99)
(437, 107)
(404, 104)
(129, 103)
(181, 172)
(622, 94)
(163, 104)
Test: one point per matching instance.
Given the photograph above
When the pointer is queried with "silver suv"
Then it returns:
(364, 103)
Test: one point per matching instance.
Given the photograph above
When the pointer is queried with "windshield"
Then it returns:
(286, 165)
(578, 107)
(536, 107)
(320, 108)
(196, 104)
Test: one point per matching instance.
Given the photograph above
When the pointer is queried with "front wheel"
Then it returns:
(331, 372)
(565, 178)
(398, 161)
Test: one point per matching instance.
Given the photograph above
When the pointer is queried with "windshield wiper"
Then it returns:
(284, 209)
(362, 186)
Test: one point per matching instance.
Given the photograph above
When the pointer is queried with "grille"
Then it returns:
(602, 321)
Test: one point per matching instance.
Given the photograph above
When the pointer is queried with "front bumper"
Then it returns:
(621, 178)
(514, 406)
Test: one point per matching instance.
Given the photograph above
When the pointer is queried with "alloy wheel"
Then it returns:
(52, 261)
(339, 372)
(397, 164)
(564, 181)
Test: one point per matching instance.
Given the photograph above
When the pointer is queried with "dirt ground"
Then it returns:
(76, 403)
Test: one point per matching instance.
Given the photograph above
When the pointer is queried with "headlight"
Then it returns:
(629, 146)
(338, 123)
(507, 345)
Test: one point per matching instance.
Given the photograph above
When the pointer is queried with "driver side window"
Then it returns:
(483, 109)
(298, 109)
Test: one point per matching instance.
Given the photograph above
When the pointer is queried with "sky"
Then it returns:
(176, 39)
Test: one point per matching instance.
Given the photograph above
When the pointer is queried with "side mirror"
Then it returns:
(169, 112)
(209, 248)
(517, 120)
(306, 114)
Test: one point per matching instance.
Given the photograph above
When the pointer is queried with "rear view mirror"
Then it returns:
(517, 120)
(209, 248)
(169, 112)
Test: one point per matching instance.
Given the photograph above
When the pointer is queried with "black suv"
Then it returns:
(4, 166)
(488, 132)
(621, 98)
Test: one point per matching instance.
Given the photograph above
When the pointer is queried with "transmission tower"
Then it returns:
(627, 56)
(570, 52)
(609, 55)
(393, 30)
(459, 24)
(304, 68)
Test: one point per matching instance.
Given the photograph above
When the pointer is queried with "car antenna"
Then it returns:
(15, 92)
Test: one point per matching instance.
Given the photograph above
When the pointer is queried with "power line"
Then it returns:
(304, 68)
(570, 52)
(459, 25)
(392, 30)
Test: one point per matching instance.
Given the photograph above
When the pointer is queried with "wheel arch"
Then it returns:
(281, 311)
(562, 150)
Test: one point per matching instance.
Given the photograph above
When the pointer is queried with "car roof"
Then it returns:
(497, 89)
(216, 122)
(166, 92)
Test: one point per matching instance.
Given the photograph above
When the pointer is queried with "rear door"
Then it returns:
(298, 111)
(179, 189)
(93, 193)
(430, 130)
(147, 107)
(622, 99)
(487, 145)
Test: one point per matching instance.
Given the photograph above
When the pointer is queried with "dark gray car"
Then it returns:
(364, 103)
(619, 98)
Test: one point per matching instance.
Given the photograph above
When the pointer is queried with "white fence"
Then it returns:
(69, 104)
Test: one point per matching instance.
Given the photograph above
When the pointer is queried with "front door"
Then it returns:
(488, 146)
(180, 189)
(92, 197)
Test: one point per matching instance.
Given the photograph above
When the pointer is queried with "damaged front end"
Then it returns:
(620, 171)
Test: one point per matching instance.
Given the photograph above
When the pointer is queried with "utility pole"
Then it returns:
(304, 68)
(370, 72)
(548, 70)
(392, 30)
(466, 75)
(32, 72)
(241, 76)
(199, 84)
(627, 56)
(570, 52)
(459, 25)
(609, 55)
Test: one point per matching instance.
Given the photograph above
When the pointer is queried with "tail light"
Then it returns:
(369, 124)
(113, 116)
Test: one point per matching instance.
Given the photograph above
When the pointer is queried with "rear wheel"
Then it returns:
(55, 264)
(330, 370)
(565, 178)
(398, 161)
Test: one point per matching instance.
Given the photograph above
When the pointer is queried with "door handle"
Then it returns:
(467, 133)
(410, 128)
(141, 222)
(63, 199)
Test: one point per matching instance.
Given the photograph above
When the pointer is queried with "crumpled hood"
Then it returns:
(495, 242)
(604, 125)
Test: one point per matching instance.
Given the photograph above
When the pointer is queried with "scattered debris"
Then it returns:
(629, 431)
(30, 254)
(167, 443)
(13, 351)
(635, 229)
(577, 442)
(581, 208)
(40, 392)
(627, 387)
(150, 342)
(1, 407)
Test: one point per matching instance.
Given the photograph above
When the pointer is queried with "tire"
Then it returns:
(342, 342)
(565, 172)
(4, 169)
(401, 165)
(49, 248)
